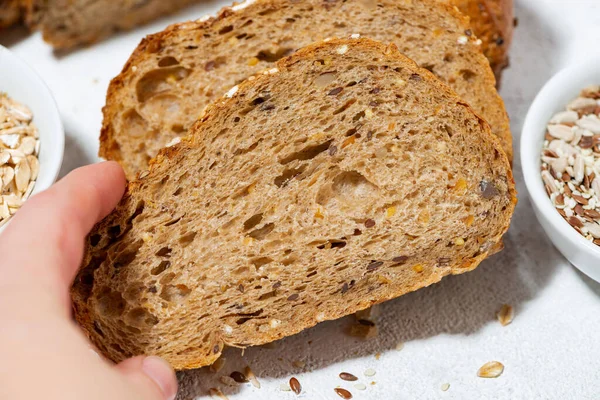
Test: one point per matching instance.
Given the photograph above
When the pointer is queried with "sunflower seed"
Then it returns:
(369, 372)
(8, 173)
(19, 112)
(445, 387)
(492, 369)
(590, 123)
(34, 166)
(582, 104)
(593, 229)
(564, 117)
(10, 139)
(27, 145)
(22, 175)
(561, 132)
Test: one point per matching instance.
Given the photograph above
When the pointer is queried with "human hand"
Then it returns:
(43, 354)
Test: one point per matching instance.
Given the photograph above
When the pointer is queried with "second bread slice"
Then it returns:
(342, 177)
(174, 74)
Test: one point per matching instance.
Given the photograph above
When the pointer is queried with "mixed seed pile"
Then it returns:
(19, 149)
(571, 163)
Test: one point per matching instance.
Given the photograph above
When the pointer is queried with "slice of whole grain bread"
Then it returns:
(342, 177)
(174, 74)
(69, 23)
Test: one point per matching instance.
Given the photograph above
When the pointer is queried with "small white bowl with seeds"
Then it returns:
(31, 135)
(560, 157)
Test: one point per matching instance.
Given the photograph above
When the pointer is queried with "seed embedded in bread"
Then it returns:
(174, 293)
(174, 74)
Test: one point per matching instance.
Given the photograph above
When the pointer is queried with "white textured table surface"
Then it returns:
(550, 351)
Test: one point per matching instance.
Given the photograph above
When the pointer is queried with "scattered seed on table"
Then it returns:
(295, 385)
(370, 372)
(348, 377)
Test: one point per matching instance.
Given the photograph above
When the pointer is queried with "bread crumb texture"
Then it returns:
(290, 204)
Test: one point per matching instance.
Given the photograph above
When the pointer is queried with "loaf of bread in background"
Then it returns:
(69, 23)
(10, 12)
(343, 176)
(492, 21)
(174, 74)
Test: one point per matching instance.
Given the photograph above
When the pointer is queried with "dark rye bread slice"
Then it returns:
(173, 74)
(69, 23)
(343, 177)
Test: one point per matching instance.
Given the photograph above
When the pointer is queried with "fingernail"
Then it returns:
(162, 374)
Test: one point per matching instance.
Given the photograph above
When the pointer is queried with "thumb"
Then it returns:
(151, 378)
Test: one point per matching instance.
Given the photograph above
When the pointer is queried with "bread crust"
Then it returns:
(175, 155)
(493, 22)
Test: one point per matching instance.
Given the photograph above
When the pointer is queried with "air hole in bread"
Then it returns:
(95, 239)
(117, 348)
(126, 256)
(159, 81)
(358, 116)
(167, 278)
(187, 239)
(267, 296)
(166, 103)
(173, 221)
(140, 317)
(428, 67)
(114, 231)
(306, 153)
(259, 262)
(253, 221)
(325, 79)
(178, 191)
(467, 74)
(287, 175)
(226, 29)
(242, 151)
(344, 107)
(97, 329)
(288, 261)
(175, 293)
(110, 303)
(162, 267)
(168, 61)
(270, 57)
(260, 234)
(350, 188)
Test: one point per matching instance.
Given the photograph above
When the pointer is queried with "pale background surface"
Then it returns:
(550, 351)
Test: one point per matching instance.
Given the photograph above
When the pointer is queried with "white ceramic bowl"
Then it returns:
(554, 96)
(22, 83)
